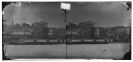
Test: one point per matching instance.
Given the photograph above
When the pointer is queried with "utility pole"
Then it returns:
(12, 26)
(12, 22)
(65, 7)
(23, 30)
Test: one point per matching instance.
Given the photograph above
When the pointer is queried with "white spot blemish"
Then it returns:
(18, 4)
(2, 12)
(65, 6)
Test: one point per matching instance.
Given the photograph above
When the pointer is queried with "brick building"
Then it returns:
(100, 33)
(87, 29)
(39, 30)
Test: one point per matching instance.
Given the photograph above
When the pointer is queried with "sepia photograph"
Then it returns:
(66, 30)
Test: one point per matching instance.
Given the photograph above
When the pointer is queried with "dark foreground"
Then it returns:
(73, 50)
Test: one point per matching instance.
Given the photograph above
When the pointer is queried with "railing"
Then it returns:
(64, 41)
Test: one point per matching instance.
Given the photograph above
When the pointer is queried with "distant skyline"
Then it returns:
(102, 13)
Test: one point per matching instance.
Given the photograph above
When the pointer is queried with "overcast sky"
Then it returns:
(102, 13)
